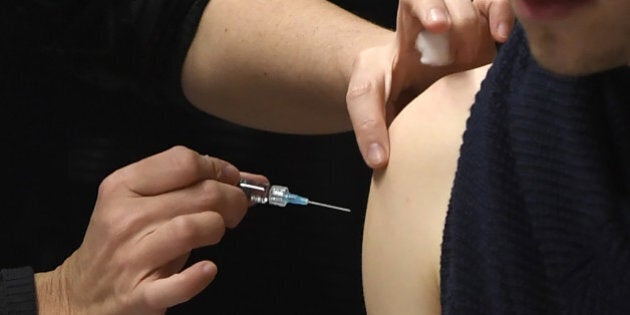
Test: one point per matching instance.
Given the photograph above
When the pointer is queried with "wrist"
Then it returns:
(51, 292)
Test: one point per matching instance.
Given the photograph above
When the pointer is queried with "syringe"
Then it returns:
(278, 195)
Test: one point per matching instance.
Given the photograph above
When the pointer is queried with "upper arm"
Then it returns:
(408, 199)
(274, 65)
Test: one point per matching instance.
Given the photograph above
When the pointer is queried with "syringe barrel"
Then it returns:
(257, 192)
(278, 195)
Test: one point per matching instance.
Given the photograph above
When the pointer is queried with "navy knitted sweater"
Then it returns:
(539, 218)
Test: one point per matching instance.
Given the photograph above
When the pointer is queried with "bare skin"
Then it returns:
(385, 78)
(292, 66)
(244, 53)
(591, 38)
(409, 198)
(300, 58)
(147, 218)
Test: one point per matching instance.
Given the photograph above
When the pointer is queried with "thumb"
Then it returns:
(499, 15)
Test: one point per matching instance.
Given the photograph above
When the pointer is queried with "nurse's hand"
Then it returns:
(147, 218)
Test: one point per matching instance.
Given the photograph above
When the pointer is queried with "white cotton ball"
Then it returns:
(435, 48)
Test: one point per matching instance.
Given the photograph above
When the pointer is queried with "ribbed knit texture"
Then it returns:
(17, 291)
(539, 218)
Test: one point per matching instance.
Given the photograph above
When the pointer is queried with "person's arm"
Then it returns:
(292, 66)
(277, 65)
(409, 198)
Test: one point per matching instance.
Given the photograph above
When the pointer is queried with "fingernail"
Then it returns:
(503, 30)
(437, 15)
(376, 154)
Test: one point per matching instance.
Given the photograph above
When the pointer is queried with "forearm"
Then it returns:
(280, 60)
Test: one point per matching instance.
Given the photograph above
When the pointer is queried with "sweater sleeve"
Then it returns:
(17, 291)
(114, 45)
(164, 30)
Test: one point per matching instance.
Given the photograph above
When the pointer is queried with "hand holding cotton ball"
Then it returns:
(435, 48)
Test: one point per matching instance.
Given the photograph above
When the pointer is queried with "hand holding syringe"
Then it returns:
(278, 195)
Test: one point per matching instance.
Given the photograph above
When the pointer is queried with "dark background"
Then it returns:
(63, 134)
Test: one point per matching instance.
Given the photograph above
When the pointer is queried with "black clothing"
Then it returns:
(94, 85)
(539, 217)
(17, 291)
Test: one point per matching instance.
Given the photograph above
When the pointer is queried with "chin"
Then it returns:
(583, 42)
(562, 66)
(566, 54)
(578, 63)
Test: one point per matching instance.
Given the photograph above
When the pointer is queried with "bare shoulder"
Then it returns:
(408, 200)
(447, 101)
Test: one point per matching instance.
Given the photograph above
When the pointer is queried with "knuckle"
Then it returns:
(110, 183)
(210, 193)
(358, 89)
(179, 149)
(118, 225)
(131, 221)
(184, 158)
(367, 124)
(184, 230)
(370, 69)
